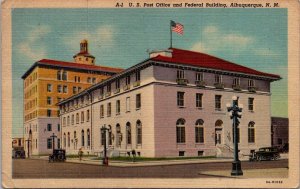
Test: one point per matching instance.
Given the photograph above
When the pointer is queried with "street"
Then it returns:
(33, 168)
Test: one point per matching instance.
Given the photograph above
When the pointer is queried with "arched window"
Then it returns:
(118, 135)
(82, 117)
(72, 119)
(68, 121)
(75, 140)
(82, 138)
(219, 123)
(139, 132)
(251, 132)
(64, 121)
(68, 139)
(77, 118)
(88, 138)
(128, 133)
(180, 131)
(199, 131)
(88, 115)
(65, 140)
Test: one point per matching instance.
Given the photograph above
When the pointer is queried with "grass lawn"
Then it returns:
(129, 158)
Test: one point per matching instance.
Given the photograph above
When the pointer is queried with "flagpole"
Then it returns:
(170, 33)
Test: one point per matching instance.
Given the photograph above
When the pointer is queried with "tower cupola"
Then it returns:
(84, 57)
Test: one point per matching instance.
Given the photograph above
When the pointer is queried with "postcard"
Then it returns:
(150, 94)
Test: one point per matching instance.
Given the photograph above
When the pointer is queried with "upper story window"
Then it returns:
(137, 75)
(117, 84)
(118, 107)
(77, 118)
(89, 80)
(48, 113)
(49, 127)
(199, 100)
(49, 100)
(101, 111)
(180, 74)
(72, 119)
(236, 82)
(65, 89)
(218, 104)
(218, 78)
(93, 80)
(74, 90)
(49, 87)
(251, 83)
(64, 76)
(180, 99)
(108, 109)
(251, 104)
(128, 80)
(79, 89)
(108, 88)
(138, 101)
(199, 76)
(59, 88)
(59, 75)
(127, 104)
(82, 117)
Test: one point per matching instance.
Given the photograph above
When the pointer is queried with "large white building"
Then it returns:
(171, 104)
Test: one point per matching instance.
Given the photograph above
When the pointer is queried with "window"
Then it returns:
(128, 133)
(251, 104)
(218, 78)
(82, 138)
(180, 74)
(137, 75)
(199, 131)
(101, 111)
(58, 143)
(58, 127)
(69, 139)
(117, 84)
(68, 121)
(138, 102)
(199, 100)
(118, 135)
(251, 132)
(87, 115)
(59, 88)
(82, 117)
(110, 139)
(64, 121)
(49, 88)
(79, 89)
(118, 108)
(89, 80)
(74, 90)
(65, 89)
(128, 80)
(49, 143)
(236, 82)
(64, 76)
(180, 99)
(48, 113)
(181, 153)
(199, 76)
(218, 102)
(108, 109)
(72, 119)
(180, 131)
(49, 127)
(88, 138)
(251, 83)
(65, 140)
(77, 118)
(78, 79)
(58, 75)
(138, 132)
(75, 78)
(108, 88)
(94, 80)
(49, 100)
(127, 104)
(58, 99)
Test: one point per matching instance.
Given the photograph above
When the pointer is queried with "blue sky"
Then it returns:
(256, 38)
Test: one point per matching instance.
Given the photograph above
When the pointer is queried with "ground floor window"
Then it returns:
(49, 143)
(181, 153)
(180, 131)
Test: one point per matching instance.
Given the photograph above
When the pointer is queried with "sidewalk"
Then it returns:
(250, 173)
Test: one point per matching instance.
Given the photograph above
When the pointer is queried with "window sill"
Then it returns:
(108, 115)
(251, 111)
(128, 111)
(117, 113)
(101, 116)
(199, 108)
(181, 106)
(137, 109)
(218, 109)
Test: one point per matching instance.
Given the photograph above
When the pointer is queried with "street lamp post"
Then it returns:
(103, 131)
(235, 114)
(53, 136)
(28, 140)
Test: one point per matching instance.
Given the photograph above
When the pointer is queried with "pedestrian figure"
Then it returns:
(80, 153)
(133, 155)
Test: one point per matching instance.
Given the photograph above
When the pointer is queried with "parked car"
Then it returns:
(18, 152)
(266, 153)
(58, 155)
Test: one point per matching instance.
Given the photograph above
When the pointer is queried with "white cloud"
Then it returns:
(101, 37)
(31, 47)
(213, 39)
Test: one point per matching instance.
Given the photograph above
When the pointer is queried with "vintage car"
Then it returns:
(18, 152)
(266, 153)
(58, 155)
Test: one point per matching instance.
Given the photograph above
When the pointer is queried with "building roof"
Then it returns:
(86, 54)
(202, 60)
(71, 65)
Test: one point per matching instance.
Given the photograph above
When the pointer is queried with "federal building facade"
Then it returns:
(171, 104)
(46, 83)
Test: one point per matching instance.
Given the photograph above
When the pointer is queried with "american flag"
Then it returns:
(177, 27)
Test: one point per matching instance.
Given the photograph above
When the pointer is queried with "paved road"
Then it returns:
(30, 168)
